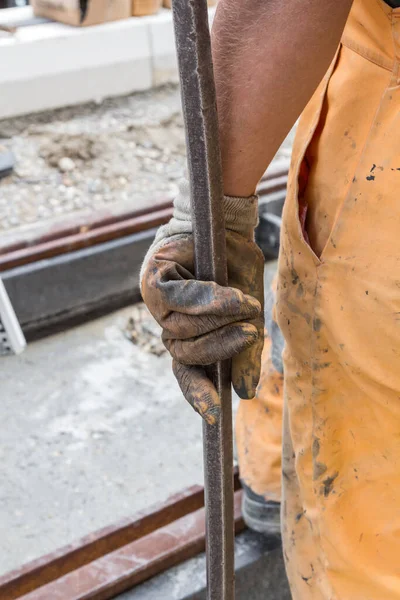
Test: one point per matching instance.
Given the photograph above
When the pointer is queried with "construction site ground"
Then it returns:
(115, 157)
(105, 159)
(94, 428)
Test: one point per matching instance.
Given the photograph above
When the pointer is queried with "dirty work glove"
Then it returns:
(203, 322)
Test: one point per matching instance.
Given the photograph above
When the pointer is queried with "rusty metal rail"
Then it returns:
(85, 238)
(116, 558)
(88, 232)
(54, 278)
(130, 565)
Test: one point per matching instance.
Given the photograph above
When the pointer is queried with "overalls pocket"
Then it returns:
(295, 210)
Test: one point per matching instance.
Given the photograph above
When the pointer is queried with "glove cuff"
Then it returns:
(241, 216)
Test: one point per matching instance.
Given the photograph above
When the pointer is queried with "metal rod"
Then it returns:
(205, 173)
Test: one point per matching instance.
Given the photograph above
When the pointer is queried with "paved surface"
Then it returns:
(94, 428)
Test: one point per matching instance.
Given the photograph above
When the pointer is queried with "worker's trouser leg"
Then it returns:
(259, 421)
(338, 307)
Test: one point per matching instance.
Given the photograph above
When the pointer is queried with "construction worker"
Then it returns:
(338, 289)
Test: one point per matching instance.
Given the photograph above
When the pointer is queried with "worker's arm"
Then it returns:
(269, 56)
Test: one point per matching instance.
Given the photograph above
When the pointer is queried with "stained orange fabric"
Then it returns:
(259, 432)
(338, 306)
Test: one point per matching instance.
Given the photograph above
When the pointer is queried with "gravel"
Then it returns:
(110, 158)
(126, 151)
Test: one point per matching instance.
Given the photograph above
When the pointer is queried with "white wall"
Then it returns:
(49, 65)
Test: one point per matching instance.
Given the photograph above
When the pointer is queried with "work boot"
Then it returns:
(260, 514)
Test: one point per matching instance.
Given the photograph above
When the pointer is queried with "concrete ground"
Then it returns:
(94, 428)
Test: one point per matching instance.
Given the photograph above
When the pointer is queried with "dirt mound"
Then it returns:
(76, 147)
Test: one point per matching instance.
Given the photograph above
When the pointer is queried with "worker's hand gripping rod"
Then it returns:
(205, 173)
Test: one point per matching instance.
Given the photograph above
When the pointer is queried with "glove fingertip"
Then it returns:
(198, 391)
(211, 416)
(246, 371)
(248, 331)
(245, 387)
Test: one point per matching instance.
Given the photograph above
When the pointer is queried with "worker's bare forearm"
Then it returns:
(269, 57)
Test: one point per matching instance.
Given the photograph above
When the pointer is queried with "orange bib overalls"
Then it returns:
(338, 307)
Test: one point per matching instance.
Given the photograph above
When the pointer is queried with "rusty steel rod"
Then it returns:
(205, 173)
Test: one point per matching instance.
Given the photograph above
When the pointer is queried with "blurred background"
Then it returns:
(92, 145)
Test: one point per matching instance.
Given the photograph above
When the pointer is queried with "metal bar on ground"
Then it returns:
(205, 174)
(57, 236)
(98, 544)
(82, 556)
(121, 556)
(84, 239)
(126, 567)
(56, 280)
